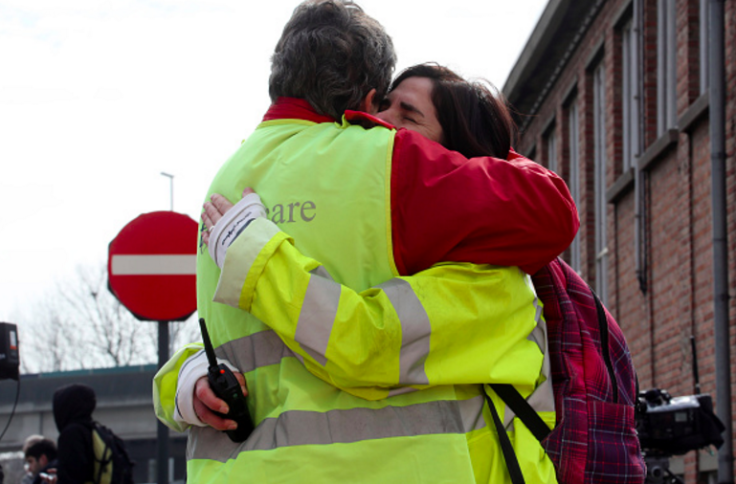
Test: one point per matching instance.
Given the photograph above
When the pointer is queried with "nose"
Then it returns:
(389, 115)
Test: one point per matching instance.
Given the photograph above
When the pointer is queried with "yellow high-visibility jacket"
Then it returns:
(379, 385)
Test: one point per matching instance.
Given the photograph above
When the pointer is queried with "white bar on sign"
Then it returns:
(153, 265)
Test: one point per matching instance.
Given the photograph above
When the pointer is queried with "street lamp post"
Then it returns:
(162, 431)
(171, 187)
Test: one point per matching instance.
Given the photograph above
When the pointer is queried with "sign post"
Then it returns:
(151, 269)
(162, 431)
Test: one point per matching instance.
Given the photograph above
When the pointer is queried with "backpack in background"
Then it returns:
(112, 463)
(595, 439)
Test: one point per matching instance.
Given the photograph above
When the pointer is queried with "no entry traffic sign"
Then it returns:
(151, 266)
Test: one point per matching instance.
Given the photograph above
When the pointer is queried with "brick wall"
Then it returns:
(678, 301)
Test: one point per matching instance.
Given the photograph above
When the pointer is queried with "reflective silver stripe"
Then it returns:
(266, 348)
(401, 391)
(254, 351)
(539, 333)
(415, 331)
(321, 272)
(317, 317)
(299, 427)
(543, 398)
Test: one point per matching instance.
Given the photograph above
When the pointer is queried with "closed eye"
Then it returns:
(411, 108)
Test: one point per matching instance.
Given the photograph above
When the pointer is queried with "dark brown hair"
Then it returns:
(475, 121)
(45, 447)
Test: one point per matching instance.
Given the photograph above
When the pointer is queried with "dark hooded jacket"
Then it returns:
(73, 406)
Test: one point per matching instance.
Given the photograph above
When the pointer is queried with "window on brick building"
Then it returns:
(709, 477)
(550, 141)
(704, 65)
(574, 175)
(630, 94)
(599, 175)
(666, 66)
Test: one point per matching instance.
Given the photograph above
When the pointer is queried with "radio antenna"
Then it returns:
(208, 349)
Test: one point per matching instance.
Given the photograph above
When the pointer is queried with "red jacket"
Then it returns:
(445, 207)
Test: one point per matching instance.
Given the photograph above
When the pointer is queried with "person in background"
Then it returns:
(73, 406)
(41, 457)
(30, 440)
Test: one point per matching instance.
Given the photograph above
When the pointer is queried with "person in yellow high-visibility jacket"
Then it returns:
(407, 404)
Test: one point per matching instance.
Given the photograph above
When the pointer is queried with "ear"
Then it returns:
(43, 461)
(367, 104)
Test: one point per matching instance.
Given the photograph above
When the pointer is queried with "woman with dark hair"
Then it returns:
(472, 119)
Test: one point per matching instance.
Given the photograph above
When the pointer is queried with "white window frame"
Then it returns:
(666, 66)
(704, 39)
(599, 171)
(630, 94)
(574, 181)
(551, 143)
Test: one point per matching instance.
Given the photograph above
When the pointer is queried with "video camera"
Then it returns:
(673, 426)
(9, 356)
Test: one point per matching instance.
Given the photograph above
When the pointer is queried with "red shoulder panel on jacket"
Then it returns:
(484, 210)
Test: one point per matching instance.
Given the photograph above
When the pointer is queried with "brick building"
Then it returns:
(614, 96)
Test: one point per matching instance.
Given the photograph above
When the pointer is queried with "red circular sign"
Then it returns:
(151, 266)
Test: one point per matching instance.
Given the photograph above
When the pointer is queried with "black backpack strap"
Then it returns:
(605, 347)
(522, 409)
(512, 463)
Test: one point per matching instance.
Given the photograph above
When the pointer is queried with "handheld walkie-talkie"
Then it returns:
(226, 386)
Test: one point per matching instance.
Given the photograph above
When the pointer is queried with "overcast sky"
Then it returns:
(97, 98)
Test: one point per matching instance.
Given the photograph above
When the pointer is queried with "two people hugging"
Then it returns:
(366, 336)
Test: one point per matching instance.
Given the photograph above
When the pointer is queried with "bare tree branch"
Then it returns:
(80, 324)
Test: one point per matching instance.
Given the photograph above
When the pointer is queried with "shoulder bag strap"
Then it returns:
(605, 345)
(512, 463)
(522, 409)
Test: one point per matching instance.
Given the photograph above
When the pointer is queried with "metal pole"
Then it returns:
(640, 254)
(171, 188)
(162, 431)
(717, 114)
(171, 207)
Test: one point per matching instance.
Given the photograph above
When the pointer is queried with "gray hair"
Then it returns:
(331, 54)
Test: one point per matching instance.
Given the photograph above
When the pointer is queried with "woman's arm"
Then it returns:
(484, 210)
